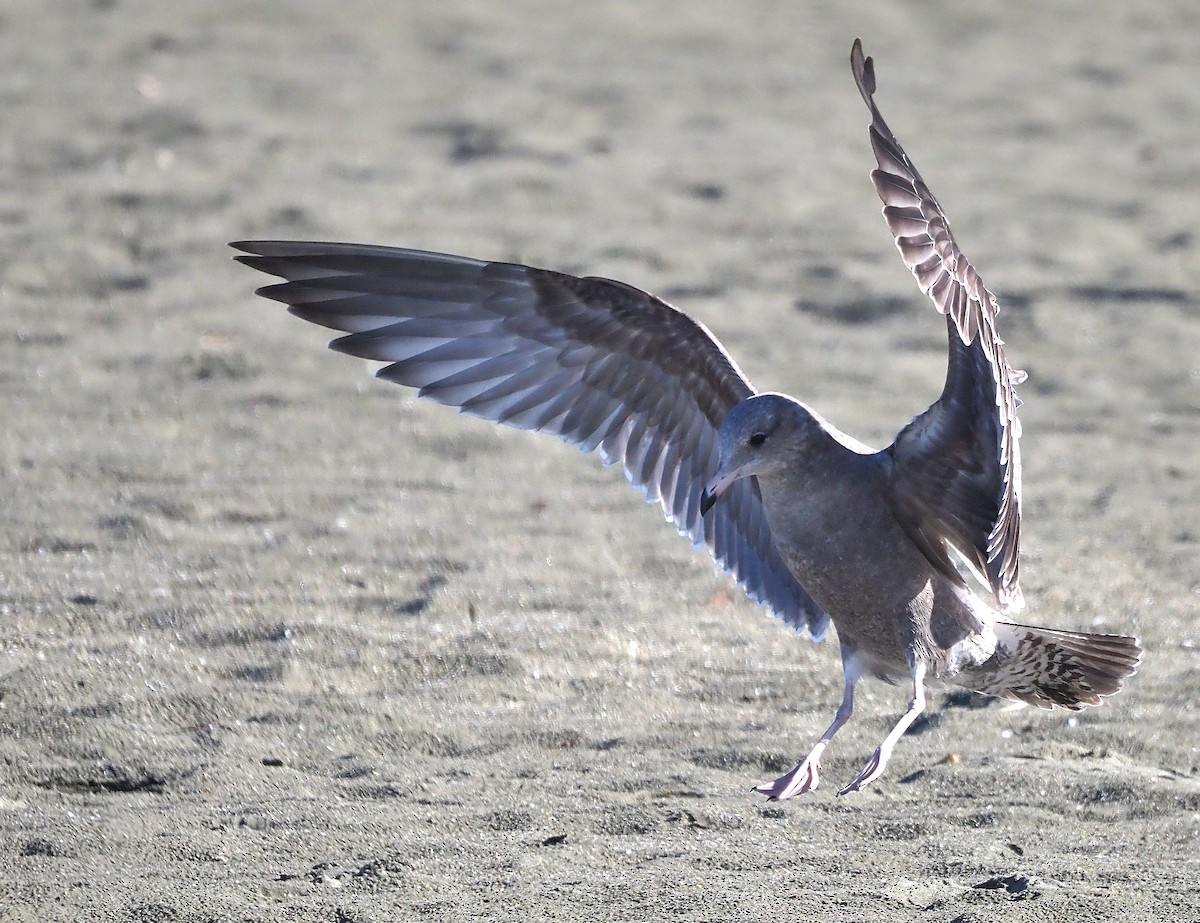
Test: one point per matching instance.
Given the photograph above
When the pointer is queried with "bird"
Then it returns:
(911, 551)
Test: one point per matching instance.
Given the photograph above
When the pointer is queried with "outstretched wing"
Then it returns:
(597, 363)
(957, 465)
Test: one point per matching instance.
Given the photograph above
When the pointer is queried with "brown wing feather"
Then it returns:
(957, 465)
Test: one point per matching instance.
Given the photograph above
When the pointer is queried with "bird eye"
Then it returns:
(757, 439)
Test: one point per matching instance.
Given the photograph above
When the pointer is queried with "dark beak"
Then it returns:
(714, 488)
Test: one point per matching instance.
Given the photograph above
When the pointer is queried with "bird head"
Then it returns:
(760, 436)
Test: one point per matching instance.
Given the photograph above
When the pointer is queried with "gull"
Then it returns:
(911, 551)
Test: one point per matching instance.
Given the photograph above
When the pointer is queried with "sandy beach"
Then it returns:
(280, 642)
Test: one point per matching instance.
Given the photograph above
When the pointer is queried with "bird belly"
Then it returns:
(876, 598)
(885, 599)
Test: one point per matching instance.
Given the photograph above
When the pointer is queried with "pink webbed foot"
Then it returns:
(872, 771)
(801, 778)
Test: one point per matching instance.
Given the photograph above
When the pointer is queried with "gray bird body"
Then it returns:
(911, 551)
(833, 514)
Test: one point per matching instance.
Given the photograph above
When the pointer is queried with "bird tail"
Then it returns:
(1045, 667)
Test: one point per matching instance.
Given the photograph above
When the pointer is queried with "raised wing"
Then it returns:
(597, 363)
(957, 465)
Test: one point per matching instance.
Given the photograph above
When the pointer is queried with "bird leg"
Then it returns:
(805, 775)
(878, 761)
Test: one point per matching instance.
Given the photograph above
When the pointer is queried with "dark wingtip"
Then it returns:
(252, 253)
(246, 246)
(706, 502)
(863, 69)
(268, 256)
